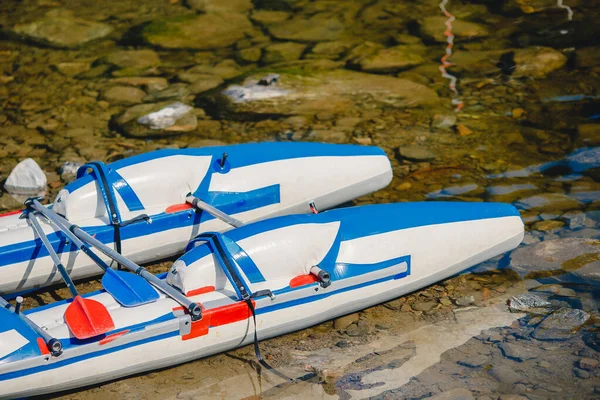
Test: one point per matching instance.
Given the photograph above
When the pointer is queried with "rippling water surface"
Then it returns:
(520, 125)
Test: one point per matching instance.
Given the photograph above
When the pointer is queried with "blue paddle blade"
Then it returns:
(130, 290)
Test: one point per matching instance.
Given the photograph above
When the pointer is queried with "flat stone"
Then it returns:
(204, 83)
(359, 329)
(548, 202)
(505, 374)
(318, 28)
(434, 27)
(567, 254)
(546, 226)
(133, 62)
(156, 120)
(123, 95)
(270, 17)
(345, 321)
(176, 91)
(588, 363)
(424, 305)
(475, 361)
(393, 59)
(249, 55)
(220, 6)
(282, 52)
(589, 272)
(537, 62)
(315, 92)
(151, 84)
(580, 373)
(561, 324)
(453, 394)
(443, 121)
(61, 29)
(26, 178)
(587, 57)
(527, 302)
(465, 301)
(416, 153)
(517, 351)
(205, 31)
(73, 68)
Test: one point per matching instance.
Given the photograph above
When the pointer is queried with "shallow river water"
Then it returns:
(520, 125)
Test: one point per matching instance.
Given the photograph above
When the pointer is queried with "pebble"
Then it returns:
(424, 305)
(517, 351)
(416, 153)
(526, 302)
(465, 301)
(443, 121)
(463, 130)
(166, 117)
(588, 363)
(549, 225)
(517, 112)
(68, 170)
(126, 95)
(580, 373)
(561, 324)
(345, 321)
(26, 178)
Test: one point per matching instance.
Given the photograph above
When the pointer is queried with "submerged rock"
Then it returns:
(133, 62)
(318, 28)
(123, 95)
(282, 52)
(27, 178)
(527, 302)
(552, 257)
(316, 92)
(416, 153)
(537, 62)
(60, 28)
(156, 120)
(393, 59)
(548, 202)
(220, 6)
(206, 31)
(517, 352)
(561, 324)
(434, 28)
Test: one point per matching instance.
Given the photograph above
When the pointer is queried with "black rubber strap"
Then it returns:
(112, 207)
(257, 349)
(246, 296)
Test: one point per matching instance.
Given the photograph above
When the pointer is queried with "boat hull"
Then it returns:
(372, 263)
(258, 181)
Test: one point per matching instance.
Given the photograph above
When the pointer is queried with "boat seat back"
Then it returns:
(267, 260)
(147, 187)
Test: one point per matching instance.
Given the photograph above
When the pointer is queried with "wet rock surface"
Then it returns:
(106, 81)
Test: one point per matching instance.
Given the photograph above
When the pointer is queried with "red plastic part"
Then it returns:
(42, 345)
(202, 290)
(113, 336)
(303, 280)
(218, 316)
(11, 213)
(87, 318)
(178, 207)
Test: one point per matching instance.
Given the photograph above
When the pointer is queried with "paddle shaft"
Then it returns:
(199, 204)
(53, 344)
(61, 268)
(194, 309)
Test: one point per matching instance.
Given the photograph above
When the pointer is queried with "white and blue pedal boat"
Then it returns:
(146, 206)
(290, 272)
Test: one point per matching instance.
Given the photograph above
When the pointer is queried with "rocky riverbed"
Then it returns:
(84, 80)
